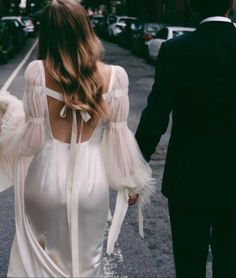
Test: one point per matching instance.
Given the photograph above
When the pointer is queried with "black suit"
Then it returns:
(196, 81)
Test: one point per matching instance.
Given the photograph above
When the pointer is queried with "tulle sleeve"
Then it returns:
(22, 131)
(127, 171)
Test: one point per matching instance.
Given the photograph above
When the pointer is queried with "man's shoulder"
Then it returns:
(198, 39)
(180, 41)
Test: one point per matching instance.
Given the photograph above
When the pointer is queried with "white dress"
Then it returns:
(62, 189)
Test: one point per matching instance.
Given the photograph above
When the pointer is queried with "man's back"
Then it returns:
(197, 83)
(195, 80)
(204, 84)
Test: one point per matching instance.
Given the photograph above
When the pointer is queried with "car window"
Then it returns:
(139, 26)
(121, 21)
(126, 20)
(179, 33)
(162, 34)
(135, 26)
(97, 19)
(152, 28)
(112, 19)
(17, 24)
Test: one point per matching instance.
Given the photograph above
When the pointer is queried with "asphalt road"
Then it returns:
(133, 256)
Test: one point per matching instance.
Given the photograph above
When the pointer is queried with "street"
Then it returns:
(133, 256)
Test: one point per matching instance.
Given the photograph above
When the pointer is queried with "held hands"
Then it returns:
(133, 199)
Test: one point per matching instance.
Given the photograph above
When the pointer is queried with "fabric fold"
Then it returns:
(118, 218)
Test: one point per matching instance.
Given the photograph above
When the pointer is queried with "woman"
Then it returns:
(70, 143)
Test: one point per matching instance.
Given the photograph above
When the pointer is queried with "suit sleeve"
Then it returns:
(155, 117)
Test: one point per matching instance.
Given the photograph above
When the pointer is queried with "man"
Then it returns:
(196, 81)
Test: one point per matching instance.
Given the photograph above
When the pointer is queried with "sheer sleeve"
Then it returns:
(22, 131)
(127, 171)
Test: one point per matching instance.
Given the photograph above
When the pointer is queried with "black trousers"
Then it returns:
(194, 229)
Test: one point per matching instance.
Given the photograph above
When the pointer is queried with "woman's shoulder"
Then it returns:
(118, 76)
(120, 80)
(119, 69)
(33, 73)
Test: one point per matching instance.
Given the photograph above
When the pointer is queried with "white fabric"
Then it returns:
(216, 18)
(10, 105)
(61, 190)
(125, 166)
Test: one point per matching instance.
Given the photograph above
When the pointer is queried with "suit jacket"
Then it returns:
(196, 81)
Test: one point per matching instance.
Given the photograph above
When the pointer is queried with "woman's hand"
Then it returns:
(133, 199)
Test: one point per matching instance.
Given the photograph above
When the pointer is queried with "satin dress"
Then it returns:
(46, 203)
(62, 189)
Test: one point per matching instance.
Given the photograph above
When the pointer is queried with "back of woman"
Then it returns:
(72, 145)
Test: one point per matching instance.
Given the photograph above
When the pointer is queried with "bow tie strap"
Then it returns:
(63, 111)
(84, 114)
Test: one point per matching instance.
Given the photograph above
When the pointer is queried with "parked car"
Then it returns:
(125, 37)
(143, 34)
(6, 42)
(29, 26)
(95, 19)
(164, 34)
(98, 23)
(116, 24)
(26, 30)
(18, 33)
(111, 18)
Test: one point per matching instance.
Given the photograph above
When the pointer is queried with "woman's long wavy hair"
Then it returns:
(71, 52)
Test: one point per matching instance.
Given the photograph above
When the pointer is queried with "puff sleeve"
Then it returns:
(22, 130)
(127, 171)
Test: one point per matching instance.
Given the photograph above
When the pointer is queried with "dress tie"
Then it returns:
(84, 114)
(72, 186)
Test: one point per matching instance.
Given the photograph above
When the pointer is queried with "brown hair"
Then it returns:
(71, 51)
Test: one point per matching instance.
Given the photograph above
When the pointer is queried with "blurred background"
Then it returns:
(129, 23)
(169, 11)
